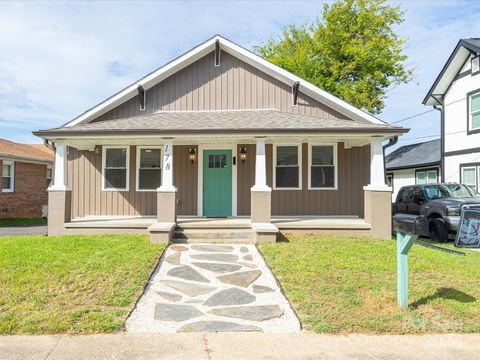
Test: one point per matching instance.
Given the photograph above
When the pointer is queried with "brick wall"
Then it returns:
(30, 192)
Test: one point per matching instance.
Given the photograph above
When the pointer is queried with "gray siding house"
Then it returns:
(220, 138)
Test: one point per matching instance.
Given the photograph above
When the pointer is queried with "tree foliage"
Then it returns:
(352, 51)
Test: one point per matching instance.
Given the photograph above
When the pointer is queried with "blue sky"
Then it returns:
(58, 59)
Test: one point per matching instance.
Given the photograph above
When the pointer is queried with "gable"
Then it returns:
(234, 85)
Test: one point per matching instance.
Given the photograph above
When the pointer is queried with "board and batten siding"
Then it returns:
(85, 180)
(231, 86)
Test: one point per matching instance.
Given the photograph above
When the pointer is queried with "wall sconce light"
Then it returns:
(192, 154)
(243, 153)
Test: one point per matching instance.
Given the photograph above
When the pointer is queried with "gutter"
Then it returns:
(442, 138)
(391, 142)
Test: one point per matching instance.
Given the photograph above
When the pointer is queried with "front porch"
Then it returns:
(221, 228)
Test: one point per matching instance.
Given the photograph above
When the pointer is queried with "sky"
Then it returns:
(58, 59)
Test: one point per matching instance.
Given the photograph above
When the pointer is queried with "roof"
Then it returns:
(451, 68)
(245, 121)
(36, 152)
(205, 48)
(414, 155)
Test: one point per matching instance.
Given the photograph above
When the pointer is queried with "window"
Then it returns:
(475, 65)
(469, 176)
(474, 111)
(149, 165)
(405, 195)
(7, 176)
(287, 167)
(322, 166)
(389, 177)
(427, 176)
(217, 161)
(115, 168)
(49, 175)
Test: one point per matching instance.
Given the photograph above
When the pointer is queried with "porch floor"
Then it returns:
(281, 222)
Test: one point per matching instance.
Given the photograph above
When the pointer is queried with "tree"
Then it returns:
(352, 51)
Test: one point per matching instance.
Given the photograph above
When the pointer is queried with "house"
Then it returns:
(220, 132)
(456, 94)
(413, 164)
(25, 176)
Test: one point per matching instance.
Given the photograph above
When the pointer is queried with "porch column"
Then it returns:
(59, 194)
(377, 195)
(162, 230)
(261, 198)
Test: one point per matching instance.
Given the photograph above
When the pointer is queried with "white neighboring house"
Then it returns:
(456, 93)
(413, 164)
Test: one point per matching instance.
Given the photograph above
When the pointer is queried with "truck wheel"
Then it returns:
(438, 230)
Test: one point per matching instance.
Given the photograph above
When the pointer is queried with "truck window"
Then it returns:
(404, 195)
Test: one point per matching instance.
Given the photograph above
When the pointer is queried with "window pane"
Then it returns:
(475, 103)
(211, 161)
(223, 161)
(468, 176)
(6, 183)
(287, 155)
(116, 158)
(322, 155)
(149, 179)
(7, 168)
(421, 177)
(287, 177)
(432, 176)
(476, 120)
(150, 158)
(115, 178)
(322, 176)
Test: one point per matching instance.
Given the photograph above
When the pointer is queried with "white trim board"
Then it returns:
(335, 164)
(300, 167)
(137, 166)
(243, 54)
(202, 147)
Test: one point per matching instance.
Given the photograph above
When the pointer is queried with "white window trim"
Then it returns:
(137, 177)
(127, 164)
(476, 172)
(470, 112)
(335, 165)
(50, 167)
(274, 167)
(12, 176)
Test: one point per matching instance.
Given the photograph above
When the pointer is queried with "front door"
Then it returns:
(217, 182)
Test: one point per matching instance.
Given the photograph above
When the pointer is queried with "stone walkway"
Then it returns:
(212, 288)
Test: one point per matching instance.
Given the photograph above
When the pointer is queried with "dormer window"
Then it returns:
(476, 65)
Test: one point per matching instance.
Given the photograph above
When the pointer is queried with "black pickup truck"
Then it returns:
(437, 206)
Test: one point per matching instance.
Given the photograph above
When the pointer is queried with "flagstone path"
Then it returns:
(212, 288)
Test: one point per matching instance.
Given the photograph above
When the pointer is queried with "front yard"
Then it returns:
(71, 284)
(347, 285)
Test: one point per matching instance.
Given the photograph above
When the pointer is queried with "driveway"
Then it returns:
(239, 346)
(23, 230)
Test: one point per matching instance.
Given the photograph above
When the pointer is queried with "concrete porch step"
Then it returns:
(212, 235)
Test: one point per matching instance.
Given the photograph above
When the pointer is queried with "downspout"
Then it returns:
(391, 142)
(441, 108)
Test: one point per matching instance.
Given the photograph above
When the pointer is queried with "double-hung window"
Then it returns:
(469, 175)
(322, 166)
(287, 174)
(149, 165)
(428, 176)
(474, 111)
(115, 168)
(8, 173)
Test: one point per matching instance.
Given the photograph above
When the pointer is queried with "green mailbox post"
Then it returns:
(404, 244)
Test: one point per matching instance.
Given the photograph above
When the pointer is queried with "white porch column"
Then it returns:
(260, 167)
(167, 168)
(60, 178)
(377, 170)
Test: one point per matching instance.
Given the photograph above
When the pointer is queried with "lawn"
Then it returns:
(22, 222)
(347, 285)
(78, 284)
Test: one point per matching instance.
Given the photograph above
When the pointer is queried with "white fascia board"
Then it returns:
(243, 54)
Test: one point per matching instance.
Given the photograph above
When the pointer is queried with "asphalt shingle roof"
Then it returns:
(33, 151)
(217, 121)
(414, 155)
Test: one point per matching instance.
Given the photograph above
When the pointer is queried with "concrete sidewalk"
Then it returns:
(240, 346)
(23, 230)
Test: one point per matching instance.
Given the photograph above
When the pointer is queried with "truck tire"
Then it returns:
(438, 230)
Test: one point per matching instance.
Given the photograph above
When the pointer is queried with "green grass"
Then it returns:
(78, 284)
(347, 285)
(22, 222)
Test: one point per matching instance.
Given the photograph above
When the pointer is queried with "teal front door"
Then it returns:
(217, 182)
